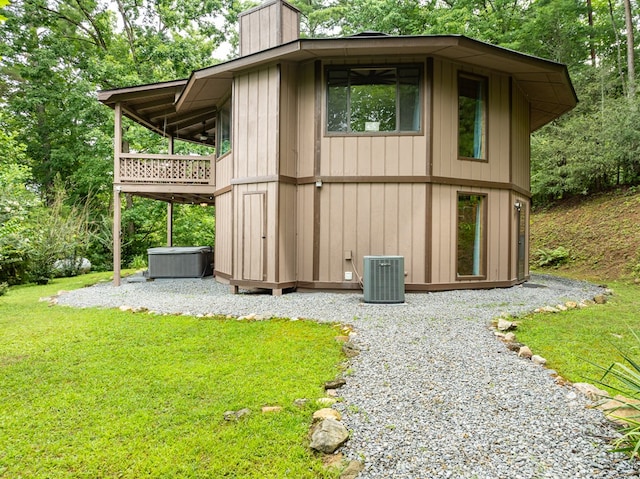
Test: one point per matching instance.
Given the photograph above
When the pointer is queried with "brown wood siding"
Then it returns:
(444, 225)
(288, 120)
(304, 241)
(287, 210)
(271, 229)
(371, 219)
(224, 171)
(224, 233)
(290, 27)
(256, 120)
(259, 30)
(445, 125)
(306, 120)
(520, 140)
(374, 156)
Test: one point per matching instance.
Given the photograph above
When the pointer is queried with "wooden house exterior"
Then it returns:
(329, 150)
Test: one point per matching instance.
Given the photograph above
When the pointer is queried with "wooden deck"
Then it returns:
(174, 178)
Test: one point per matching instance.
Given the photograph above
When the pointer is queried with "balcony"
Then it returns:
(166, 169)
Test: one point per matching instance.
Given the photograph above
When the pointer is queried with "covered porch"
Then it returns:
(168, 177)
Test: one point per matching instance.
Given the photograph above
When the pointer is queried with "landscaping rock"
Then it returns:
(335, 384)
(269, 409)
(592, 392)
(332, 393)
(510, 337)
(350, 350)
(620, 409)
(600, 299)
(302, 402)
(353, 469)
(538, 360)
(571, 304)
(333, 461)
(244, 412)
(514, 346)
(326, 412)
(525, 352)
(328, 435)
(504, 325)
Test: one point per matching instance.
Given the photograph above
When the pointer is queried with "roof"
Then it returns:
(179, 108)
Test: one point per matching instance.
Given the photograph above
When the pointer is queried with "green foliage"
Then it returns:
(624, 378)
(551, 257)
(102, 393)
(138, 262)
(4, 287)
(58, 232)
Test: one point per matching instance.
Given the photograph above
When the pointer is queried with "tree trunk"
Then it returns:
(631, 69)
(592, 50)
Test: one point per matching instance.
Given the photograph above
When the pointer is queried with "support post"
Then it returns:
(169, 224)
(117, 204)
(117, 227)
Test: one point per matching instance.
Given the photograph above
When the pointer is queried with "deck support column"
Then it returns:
(117, 203)
(170, 204)
(117, 228)
(169, 224)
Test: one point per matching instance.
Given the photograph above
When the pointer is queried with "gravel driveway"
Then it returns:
(433, 393)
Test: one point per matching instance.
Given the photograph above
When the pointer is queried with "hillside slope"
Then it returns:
(600, 232)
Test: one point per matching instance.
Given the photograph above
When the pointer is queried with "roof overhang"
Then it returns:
(178, 108)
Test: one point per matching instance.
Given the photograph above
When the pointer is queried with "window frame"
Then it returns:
(348, 67)
(483, 236)
(223, 104)
(485, 92)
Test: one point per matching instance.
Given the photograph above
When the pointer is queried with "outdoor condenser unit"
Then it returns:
(384, 279)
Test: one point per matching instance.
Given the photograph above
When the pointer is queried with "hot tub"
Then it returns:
(180, 262)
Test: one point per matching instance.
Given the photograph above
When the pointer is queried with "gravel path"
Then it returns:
(433, 393)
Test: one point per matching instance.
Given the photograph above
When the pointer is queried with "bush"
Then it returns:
(624, 377)
(4, 287)
(548, 258)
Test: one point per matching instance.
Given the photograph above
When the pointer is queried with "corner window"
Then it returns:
(223, 145)
(382, 99)
(471, 235)
(472, 117)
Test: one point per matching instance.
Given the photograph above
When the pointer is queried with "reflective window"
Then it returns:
(471, 235)
(472, 117)
(223, 145)
(384, 99)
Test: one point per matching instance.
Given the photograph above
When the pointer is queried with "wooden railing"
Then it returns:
(169, 169)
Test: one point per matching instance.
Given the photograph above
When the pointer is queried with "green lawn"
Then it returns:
(572, 339)
(103, 393)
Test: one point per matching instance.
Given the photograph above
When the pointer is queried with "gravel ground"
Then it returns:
(433, 393)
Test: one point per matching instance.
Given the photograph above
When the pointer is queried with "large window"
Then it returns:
(472, 117)
(471, 235)
(385, 99)
(223, 144)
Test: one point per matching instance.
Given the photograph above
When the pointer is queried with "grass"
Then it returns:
(104, 393)
(572, 340)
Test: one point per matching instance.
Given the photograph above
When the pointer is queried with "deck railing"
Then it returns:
(170, 169)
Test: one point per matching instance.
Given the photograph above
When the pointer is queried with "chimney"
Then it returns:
(268, 25)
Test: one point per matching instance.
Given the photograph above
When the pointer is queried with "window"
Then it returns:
(223, 145)
(385, 99)
(472, 117)
(471, 235)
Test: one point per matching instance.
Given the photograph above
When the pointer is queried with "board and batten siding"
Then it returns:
(256, 153)
(445, 126)
(224, 234)
(372, 219)
(444, 233)
(520, 140)
(267, 26)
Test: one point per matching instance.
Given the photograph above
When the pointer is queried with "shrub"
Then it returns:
(4, 287)
(624, 377)
(138, 262)
(548, 258)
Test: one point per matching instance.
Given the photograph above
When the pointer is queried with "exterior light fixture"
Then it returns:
(517, 205)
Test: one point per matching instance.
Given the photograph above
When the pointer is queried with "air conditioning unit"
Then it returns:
(384, 279)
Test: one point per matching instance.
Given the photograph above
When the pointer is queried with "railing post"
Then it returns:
(117, 142)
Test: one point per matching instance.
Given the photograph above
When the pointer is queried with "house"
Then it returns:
(332, 149)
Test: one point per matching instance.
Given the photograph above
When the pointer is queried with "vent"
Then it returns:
(384, 279)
